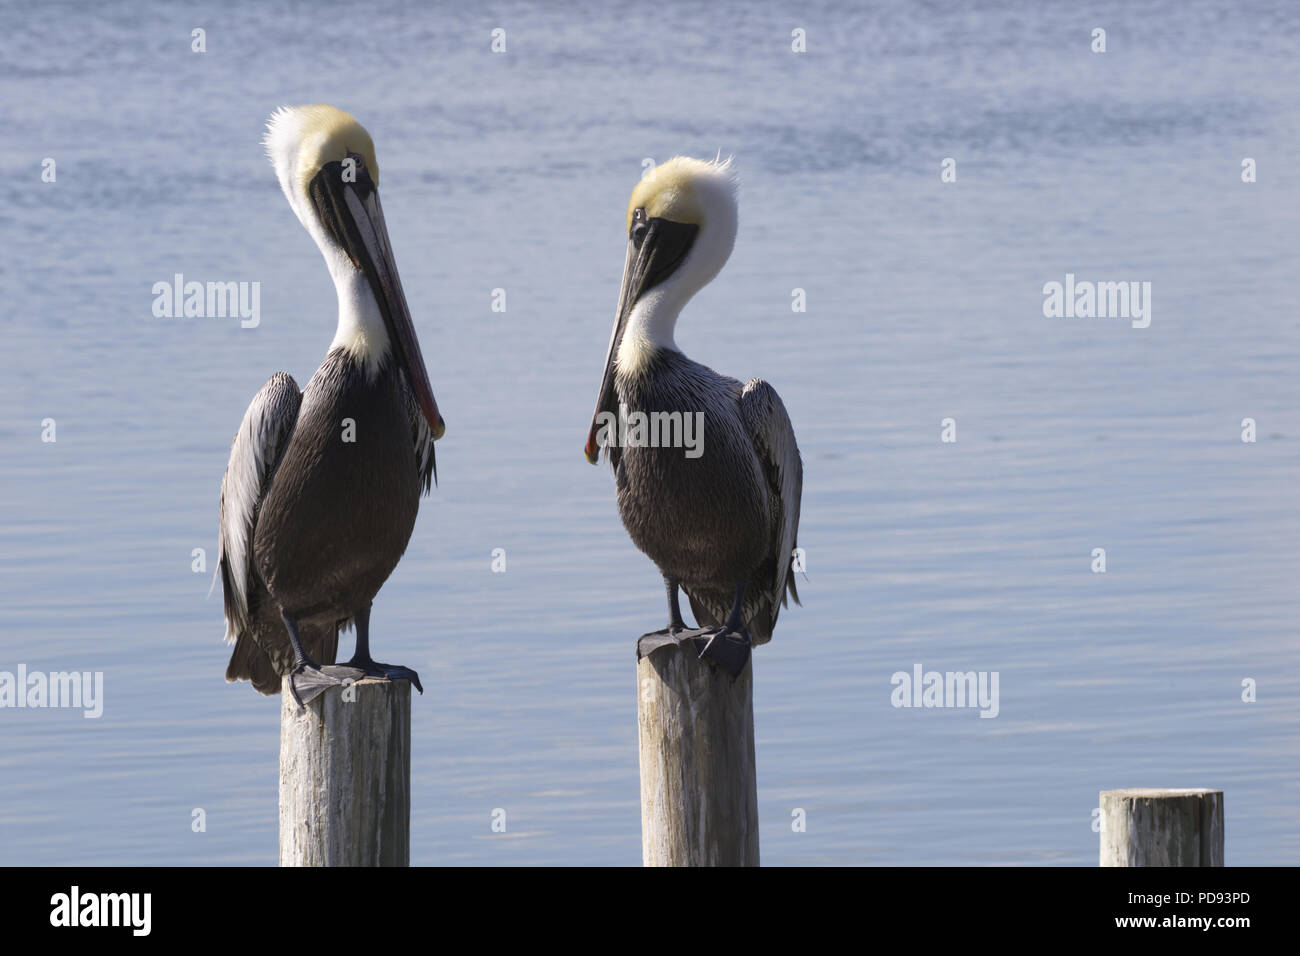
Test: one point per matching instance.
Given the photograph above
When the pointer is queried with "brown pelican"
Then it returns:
(323, 485)
(719, 520)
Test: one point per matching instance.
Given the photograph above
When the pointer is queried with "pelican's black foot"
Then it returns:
(646, 644)
(307, 681)
(391, 672)
(727, 648)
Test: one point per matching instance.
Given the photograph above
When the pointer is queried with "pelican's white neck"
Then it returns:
(649, 329)
(361, 330)
(653, 320)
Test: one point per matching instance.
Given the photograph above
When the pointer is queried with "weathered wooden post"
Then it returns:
(699, 791)
(345, 776)
(1161, 827)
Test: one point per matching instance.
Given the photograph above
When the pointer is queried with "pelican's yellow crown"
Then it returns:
(671, 190)
(318, 134)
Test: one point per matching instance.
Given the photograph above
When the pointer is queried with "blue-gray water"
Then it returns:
(924, 301)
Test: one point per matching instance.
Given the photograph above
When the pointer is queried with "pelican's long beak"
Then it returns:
(654, 251)
(369, 216)
(352, 211)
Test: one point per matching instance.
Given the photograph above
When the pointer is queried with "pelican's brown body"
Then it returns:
(708, 522)
(336, 517)
(344, 499)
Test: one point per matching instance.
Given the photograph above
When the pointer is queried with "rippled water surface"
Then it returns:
(924, 301)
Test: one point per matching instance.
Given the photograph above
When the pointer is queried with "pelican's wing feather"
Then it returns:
(422, 435)
(773, 436)
(255, 454)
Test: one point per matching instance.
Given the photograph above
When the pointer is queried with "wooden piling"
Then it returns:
(345, 776)
(699, 793)
(1161, 827)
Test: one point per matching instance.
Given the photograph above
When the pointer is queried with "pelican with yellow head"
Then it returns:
(323, 485)
(719, 514)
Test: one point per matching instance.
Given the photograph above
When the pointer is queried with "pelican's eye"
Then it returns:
(353, 170)
(639, 226)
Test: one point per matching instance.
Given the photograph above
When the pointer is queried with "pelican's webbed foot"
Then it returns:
(390, 672)
(362, 661)
(728, 648)
(676, 632)
(647, 644)
(307, 681)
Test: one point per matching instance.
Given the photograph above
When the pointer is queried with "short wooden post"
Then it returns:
(1161, 827)
(699, 793)
(345, 776)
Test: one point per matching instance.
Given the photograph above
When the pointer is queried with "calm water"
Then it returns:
(923, 302)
